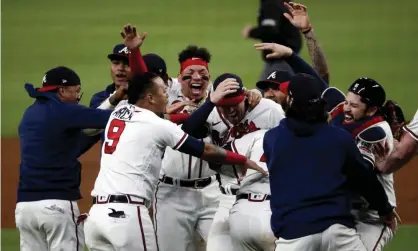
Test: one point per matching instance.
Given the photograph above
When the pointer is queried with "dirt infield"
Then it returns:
(405, 183)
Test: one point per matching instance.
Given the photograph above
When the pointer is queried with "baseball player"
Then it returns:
(135, 142)
(404, 151)
(359, 112)
(50, 133)
(232, 118)
(249, 217)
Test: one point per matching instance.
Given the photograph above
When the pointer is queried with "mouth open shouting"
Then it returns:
(348, 118)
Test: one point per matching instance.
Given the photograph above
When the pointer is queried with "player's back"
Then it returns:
(251, 146)
(131, 153)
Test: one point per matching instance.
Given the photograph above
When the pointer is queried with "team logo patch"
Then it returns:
(254, 197)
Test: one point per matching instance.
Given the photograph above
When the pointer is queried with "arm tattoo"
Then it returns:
(316, 53)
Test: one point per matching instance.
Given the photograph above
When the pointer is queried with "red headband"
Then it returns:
(193, 61)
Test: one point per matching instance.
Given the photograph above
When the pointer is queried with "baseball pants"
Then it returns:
(249, 224)
(219, 234)
(336, 238)
(119, 227)
(374, 236)
(180, 212)
(49, 225)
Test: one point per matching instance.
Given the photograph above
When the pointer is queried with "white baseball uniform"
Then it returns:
(249, 218)
(266, 115)
(187, 194)
(373, 232)
(412, 127)
(135, 141)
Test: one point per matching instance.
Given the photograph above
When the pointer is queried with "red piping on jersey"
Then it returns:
(76, 228)
(180, 141)
(142, 229)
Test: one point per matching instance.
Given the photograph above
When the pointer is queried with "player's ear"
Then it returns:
(150, 98)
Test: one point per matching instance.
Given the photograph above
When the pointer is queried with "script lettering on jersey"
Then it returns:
(243, 128)
(124, 114)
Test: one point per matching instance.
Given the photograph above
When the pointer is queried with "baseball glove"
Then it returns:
(394, 115)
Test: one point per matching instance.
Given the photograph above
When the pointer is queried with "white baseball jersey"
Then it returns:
(251, 146)
(266, 115)
(412, 127)
(177, 164)
(135, 141)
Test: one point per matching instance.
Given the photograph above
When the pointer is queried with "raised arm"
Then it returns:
(299, 18)
(133, 41)
(298, 64)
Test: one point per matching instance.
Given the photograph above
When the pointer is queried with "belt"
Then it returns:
(197, 184)
(229, 190)
(123, 198)
(253, 197)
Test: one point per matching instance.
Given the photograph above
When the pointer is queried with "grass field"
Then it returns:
(374, 38)
(405, 240)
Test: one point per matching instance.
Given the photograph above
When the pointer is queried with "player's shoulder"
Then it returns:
(252, 136)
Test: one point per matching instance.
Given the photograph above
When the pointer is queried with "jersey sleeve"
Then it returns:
(171, 135)
(412, 127)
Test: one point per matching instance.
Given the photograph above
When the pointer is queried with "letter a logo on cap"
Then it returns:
(124, 50)
(44, 79)
(272, 75)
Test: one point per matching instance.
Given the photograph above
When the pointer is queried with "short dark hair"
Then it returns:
(192, 51)
(139, 85)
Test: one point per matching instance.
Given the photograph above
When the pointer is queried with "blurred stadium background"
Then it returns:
(374, 38)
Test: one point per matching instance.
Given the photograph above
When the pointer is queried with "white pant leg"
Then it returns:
(306, 243)
(175, 217)
(374, 236)
(339, 237)
(49, 222)
(210, 202)
(249, 224)
(132, 231)
(219, 236)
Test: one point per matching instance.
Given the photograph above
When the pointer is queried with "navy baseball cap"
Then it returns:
(233, 98)
(59, 77)
(120, 52)
(304, 89)
(275, 80)
(155, 64)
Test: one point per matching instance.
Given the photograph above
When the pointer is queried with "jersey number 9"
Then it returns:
(114, 132)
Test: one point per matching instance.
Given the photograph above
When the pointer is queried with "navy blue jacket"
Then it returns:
(311, 170)
(51, 140)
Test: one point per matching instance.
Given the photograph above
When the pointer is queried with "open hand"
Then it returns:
(252, 165)
(180, 105)
(299, 17)
(228, 86)
(277, 50)
(131, 38)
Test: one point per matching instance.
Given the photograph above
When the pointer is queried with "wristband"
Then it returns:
(178, 118)
(308, 30)
(235, 159)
